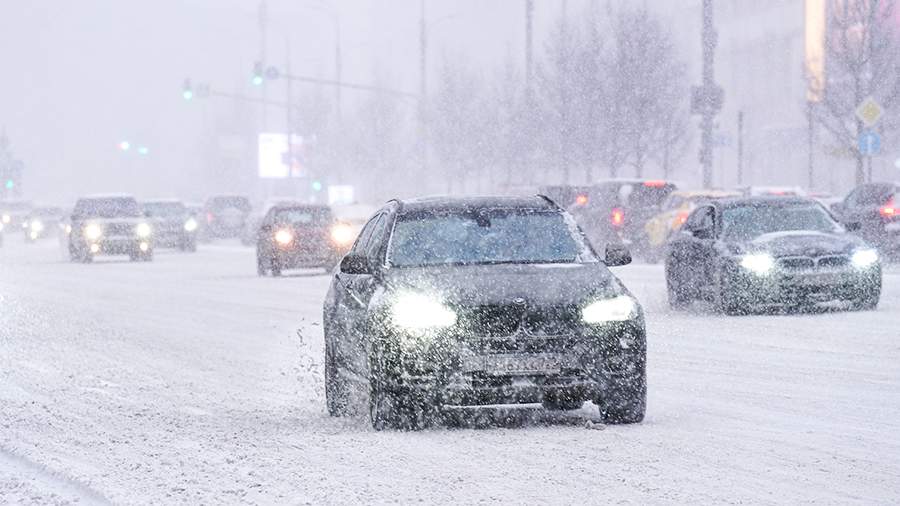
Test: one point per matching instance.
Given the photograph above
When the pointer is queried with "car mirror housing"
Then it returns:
(617, 255)
(356, 264)
(853, 226)
(704, 233)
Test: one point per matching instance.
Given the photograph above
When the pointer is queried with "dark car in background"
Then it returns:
(872, 211)
(748, 253)
(42, 222)
(109, 225)
(616, 211)
(480, 301)
(225, 216)
(293, 236)
(173, 224)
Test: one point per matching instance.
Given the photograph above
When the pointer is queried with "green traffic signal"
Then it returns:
(317, 186)
(257, 74)
(187, 94)
(10, 184)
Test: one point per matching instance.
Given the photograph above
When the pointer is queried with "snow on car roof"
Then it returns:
(470, 203)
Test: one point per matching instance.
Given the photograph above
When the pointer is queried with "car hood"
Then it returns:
(538, 284)
(805, 243)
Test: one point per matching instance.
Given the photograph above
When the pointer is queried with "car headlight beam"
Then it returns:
(863, 258)
(37, 226)
(284, 237)
(190, 225)
(616, 309)
(143, 230)
(758, 263)
(92, 231)
(418, 312)
(342, 234)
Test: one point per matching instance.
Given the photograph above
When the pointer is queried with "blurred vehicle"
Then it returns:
(41, 222)
(173, 225)
(109, 225)
(749, 252)
(13, 213)
(350, 219)
(250, 234)
(872, 211)
(615, 211)
(673, 213)
(565, 196)
(1, 233)
(226, 216)
(295, 236)
(476, 301)
(772, 191)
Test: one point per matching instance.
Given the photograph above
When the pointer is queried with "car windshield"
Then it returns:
(115, 207)
(164, 209)
(744, 223)
(484, 237)
(302, 216)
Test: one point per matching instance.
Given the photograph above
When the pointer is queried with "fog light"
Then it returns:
(864, 258)
(144, 246)
(95, 248)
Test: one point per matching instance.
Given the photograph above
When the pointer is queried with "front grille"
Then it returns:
(804, 263)
(117, 229)
(517, 328)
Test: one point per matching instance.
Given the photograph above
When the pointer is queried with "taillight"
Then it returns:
(209, 217)
(581, 200)
(682, 217)
(617, 217)
(655, 183)
(888, 210)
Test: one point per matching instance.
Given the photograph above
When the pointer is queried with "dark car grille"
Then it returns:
(516, 328)
(117, 229)
(803, 263)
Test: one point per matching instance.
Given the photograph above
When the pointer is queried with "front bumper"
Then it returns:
(469, 370)
(302, 256)
(114, 246)
(805, 287)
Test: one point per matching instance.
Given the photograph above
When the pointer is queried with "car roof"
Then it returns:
(296, 205)
(99, 196)
(446, 203)
(162, 201)
(706, 193)
(767, 200)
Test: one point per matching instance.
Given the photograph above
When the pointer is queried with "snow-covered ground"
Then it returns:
(191, 380)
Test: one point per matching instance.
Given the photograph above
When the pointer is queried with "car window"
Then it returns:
(302, 216)
(359, 247)
(743, 223)
(379, 232)
(869, 195)
(107, 208)
(701, 218)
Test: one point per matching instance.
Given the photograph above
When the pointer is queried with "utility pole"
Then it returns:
(529, 17)
(740, 148)
(263, 25)
(810, 168)
(289, 119)
(710, 95)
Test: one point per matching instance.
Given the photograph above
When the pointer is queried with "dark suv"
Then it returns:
(173, 225)
(226, 216)
(478, 301)
(293, 236)
(109, 225)
(872, 211)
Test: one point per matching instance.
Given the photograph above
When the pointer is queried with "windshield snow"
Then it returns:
(745, 223)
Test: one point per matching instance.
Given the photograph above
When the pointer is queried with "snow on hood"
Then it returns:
(805, 243)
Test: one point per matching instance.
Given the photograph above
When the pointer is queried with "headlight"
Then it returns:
(92, 231)
(863, 258)
(6, 218)
(68, 229)
(37, 226)
(413, 311)
(284, 237)
(1, 226)
(143, 230)
(758, 263)
(190, 225)
(342, 234)
(616, 309)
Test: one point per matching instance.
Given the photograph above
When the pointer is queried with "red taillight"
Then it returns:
(209, 217)
(655, 183)
(617, 217)
(581, 200)
(888, 210)
(682, 217)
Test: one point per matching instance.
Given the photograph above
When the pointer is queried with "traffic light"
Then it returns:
(258, 76)
(124, 145)
(143, 150)
(10, 184)
(317, 186)
(186, 90)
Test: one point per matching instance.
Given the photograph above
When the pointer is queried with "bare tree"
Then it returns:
(862, 60)
(558, 97)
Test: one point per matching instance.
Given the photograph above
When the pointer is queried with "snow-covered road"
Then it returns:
(191, 380)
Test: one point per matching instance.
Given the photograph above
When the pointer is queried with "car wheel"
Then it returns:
(260, 266)
(625, 402)
(383, 411)
(678, 298)
(559, 401)
(727, 301)
(866, 303)
(274, 267)
(336, 398)
(394, 406)
(147, 256)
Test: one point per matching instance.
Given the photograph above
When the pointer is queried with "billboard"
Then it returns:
(278, 160)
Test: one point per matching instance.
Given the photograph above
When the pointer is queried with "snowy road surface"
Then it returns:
(191, 380)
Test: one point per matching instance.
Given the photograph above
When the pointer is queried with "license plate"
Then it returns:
(514, 364)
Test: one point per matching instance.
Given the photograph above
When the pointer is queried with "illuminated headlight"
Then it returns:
(1, 226)
(758, 263)
(342, 234)
(417, 312)
(92, 231)
(863, 258)
(190, 225)
(143, 230)
(37, 226)
(68, 229)
(6, 218)
(284, 237)
(616, 309)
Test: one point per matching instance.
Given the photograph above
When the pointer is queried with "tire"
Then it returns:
(867, 303)
(625, 404)
(260, 267)
(383, 413)
(336, 397)
(677, 297)
(395, 407)
(274, 267)
(560, 402)
(147, 256)
(727, 301)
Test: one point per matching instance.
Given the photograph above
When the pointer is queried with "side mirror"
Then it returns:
(704, 233)
(356, 264)
(617, 255)
(853, 227)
